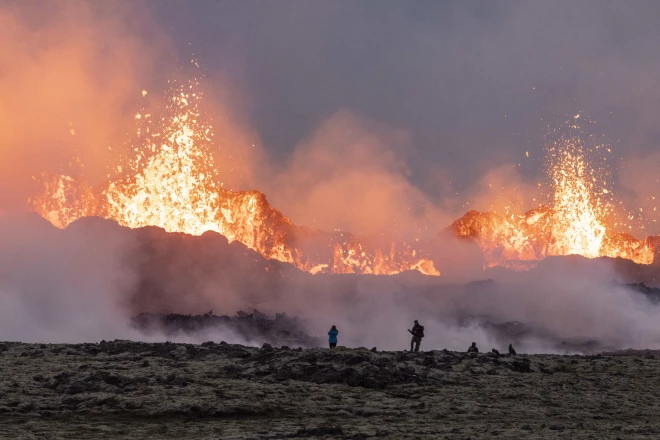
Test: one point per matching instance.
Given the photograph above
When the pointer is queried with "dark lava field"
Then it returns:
(128, 390)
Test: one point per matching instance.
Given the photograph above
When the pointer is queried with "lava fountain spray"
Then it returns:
(176, 185)
(171, 181)
(579, 211)
(579, 219)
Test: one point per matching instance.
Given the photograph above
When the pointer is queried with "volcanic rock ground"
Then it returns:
(255, 327)
(123, 389)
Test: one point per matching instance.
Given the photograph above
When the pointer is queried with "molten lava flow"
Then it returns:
(574, 225)
(174, 186)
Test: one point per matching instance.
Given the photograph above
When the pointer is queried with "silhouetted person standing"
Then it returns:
(332, 336)
(511, 350)
(473, 348)
(417, 335)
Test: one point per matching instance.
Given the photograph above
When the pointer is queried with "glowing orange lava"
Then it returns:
(175, 187)
(171, 182)
(575, 224)
(578, 211)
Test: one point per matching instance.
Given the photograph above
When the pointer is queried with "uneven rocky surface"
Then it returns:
(123, 389)
(256, 326)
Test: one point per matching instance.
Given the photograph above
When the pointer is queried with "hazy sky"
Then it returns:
(473, 83)
(362, 116)
(462, 88)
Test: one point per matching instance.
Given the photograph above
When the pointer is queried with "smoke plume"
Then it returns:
(86, 282)
(72, 76)
(351, 175)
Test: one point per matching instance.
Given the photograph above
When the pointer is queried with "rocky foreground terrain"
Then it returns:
(123, 389)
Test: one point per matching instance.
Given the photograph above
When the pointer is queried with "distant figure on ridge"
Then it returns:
(473, 348)
(511, 350)
(332, 336)
(495, 351)
(418, 333)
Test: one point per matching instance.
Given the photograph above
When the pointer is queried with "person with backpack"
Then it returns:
(332, 336)
(418, 333)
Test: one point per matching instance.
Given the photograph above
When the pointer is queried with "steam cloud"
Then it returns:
(70, 77)
(86, 282)
(350, 176)
(68, 72)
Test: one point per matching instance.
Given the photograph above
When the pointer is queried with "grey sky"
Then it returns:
(473, 83)
(457, 90)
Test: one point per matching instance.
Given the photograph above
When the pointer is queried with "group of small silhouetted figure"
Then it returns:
(473, 349)
(417, 333)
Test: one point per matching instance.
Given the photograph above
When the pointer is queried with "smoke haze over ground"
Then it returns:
(349, 116)
(84, 283)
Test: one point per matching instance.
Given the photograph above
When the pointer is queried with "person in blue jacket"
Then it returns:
(333, 336)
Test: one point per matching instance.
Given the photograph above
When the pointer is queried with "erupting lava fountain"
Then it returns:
(576, 223)
(174, 185)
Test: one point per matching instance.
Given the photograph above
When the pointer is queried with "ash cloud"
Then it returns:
(70, 73)
(473, 83)
(352, 175)
(406, 146)
(57, 287)
(86, 282)
(504, 189)
(348, 118)
(641, 190)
